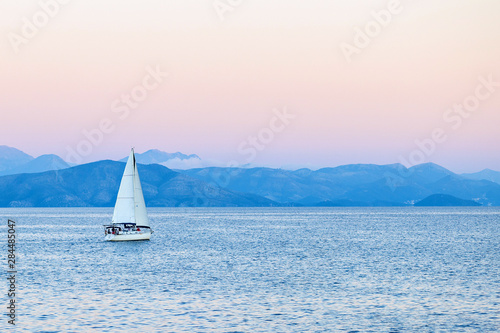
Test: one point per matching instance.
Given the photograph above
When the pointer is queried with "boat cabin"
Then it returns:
(121, 228)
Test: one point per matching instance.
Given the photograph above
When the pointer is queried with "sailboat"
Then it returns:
(130, 219)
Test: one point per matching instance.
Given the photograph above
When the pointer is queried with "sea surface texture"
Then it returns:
(258, 270)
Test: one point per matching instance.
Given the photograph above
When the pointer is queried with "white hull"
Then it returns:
(128, 237)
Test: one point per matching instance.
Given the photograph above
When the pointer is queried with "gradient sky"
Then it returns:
(227, 76)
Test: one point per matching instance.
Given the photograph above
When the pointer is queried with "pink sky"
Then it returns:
(226, 77)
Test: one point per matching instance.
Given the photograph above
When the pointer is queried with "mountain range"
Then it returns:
(49, 181)
(96, 185)
(352, 185)
(14, 161)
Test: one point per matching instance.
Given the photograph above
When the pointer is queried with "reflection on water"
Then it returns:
(254, 269)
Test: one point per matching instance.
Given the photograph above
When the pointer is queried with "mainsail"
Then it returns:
(141, 216)
(130, 206)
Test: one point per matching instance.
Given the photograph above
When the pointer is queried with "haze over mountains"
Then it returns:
(155, 156)
(170, 160)
(14, 161)
(49, 181)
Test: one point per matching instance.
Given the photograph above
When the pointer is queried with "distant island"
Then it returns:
(436, 200)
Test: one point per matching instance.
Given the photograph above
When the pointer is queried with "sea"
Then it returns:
(256, 270)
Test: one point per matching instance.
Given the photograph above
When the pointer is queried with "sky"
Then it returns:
(281, 83)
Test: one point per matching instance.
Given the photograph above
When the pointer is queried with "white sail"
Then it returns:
(125, 205)
(141, 216)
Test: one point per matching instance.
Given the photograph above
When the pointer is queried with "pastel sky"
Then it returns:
(226, 76)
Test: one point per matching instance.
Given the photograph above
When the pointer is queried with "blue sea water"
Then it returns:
(259, 270)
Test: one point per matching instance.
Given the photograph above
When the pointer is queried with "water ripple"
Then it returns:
(261, 270)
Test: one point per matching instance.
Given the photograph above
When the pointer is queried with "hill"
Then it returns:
(486, 174)
(11, 158)
(445, 200)
(40, 164)
(13, 161)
